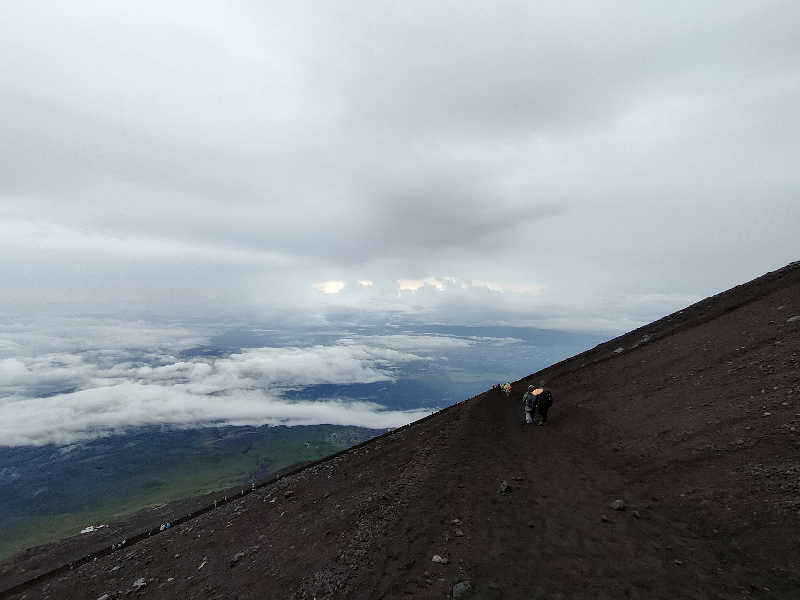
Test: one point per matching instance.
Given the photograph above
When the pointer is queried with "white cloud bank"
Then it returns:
(86, 414)
(65, 396)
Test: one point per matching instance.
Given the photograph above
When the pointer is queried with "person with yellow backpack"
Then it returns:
(537, 401)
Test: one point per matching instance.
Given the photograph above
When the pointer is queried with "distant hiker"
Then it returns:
(529, 403)
(507, 389)
(543, 402)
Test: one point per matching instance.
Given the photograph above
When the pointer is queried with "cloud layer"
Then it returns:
(68, 395)
(189, 157)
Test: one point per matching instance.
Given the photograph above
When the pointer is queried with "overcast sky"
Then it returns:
(570, 164)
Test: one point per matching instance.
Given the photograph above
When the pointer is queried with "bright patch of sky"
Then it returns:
(329, 287)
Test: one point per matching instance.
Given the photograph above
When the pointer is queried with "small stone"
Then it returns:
(636, 514)
(677, 562)
(603, 519)
(177, 555)
(504, 487)
(619, 350)
(458, 533)
(618, 504)
(766, 414)
(237, 557)
(139, 583)
(104, 597)
(455, 522)
(462, 589)
(439, 559)
(116, 568)
(793, 319)
(170, 579)
(203, 563)
(288, 494)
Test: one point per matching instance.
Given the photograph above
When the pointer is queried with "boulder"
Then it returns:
(462, 589)
(237, 557)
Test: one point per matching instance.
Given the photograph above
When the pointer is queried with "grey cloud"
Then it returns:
(194, 156)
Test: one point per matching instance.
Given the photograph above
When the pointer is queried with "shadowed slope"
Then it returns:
(693, 424)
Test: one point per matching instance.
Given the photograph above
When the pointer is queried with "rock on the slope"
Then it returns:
(439, 559)
(793, 319)
(461, 589)
(459, 533)
(237, 557)
(104, 597)
(618, 504)
(619, 350)
(504, 487)
(139, 583)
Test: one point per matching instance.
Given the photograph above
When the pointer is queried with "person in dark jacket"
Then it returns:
(529, 403)
(544, 400)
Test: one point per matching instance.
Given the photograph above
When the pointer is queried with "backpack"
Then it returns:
(546, 399)
(529, 400)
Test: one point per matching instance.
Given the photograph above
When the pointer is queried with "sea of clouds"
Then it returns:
(71, 380)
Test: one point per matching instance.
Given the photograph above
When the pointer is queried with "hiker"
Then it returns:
(507, 389)
(543, 402)
(529, 402)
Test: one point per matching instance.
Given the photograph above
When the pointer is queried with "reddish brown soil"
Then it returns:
(696, 429)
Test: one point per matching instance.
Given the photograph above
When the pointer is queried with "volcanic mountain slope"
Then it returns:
(692, 421)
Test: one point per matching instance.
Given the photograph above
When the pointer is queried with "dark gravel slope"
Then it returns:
(693, 424)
